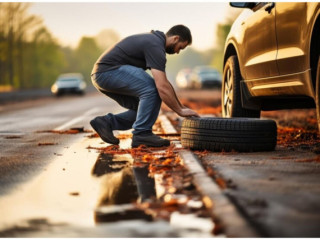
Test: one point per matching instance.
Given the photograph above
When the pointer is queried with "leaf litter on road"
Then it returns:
(69, 131)
(46, 143)
(179, 194)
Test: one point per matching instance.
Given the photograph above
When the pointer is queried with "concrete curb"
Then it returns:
(234, 224)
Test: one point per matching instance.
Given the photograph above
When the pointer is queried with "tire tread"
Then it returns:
(239, 134)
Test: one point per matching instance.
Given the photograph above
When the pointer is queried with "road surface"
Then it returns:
(52, 185)
(21, 156)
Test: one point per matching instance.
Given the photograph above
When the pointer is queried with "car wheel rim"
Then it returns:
(228, 92)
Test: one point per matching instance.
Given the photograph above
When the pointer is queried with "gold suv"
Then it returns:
(271, 59)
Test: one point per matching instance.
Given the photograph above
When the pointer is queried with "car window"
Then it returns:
(68, 79)
(208, 72)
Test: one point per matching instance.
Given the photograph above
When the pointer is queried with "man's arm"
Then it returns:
(168, 95)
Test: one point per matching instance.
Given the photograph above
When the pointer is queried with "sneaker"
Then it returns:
(149, 140)
(103, 127)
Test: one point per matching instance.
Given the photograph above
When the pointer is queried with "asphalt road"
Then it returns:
(48, 181)
(278, 191)
(21, 156)
(47, 187)
(50, 175)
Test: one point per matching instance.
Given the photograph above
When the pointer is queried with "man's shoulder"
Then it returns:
(158, 35)
(152, 38)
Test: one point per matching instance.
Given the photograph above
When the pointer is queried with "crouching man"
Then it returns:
(120, 74)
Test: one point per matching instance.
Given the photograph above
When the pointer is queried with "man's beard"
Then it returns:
(170, 49)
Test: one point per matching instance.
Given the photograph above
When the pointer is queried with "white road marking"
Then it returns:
(77, 119)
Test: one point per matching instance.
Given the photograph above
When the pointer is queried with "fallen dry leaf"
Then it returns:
(316, 159)
(297, 136)
(94, 135)
(124, 136)
(70, 131)
(46, 144)
(12, 137)
(74, 193)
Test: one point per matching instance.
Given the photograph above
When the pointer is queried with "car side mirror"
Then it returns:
(242, 4)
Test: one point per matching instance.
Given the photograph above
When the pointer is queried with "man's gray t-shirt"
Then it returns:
(144, 51)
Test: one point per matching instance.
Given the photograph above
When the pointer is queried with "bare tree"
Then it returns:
(15, 26)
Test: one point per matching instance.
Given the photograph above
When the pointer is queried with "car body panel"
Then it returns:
(257, 50)
(275, 70)
(292, 36)
(285, 85)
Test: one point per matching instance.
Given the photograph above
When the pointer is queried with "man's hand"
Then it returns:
(168, 95)
(187, 112)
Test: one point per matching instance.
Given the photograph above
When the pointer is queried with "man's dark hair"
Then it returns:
(182, 31)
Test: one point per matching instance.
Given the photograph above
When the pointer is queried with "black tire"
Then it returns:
(228, 134)
(231, 94)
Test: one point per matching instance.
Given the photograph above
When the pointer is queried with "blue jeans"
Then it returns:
(133, 89)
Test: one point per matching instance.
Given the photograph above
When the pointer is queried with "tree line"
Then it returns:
(30, 56)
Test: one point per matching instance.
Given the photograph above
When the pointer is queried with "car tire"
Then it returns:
(228, 134)
(231, 93)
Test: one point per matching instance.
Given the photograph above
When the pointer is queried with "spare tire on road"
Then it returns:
(228, 134)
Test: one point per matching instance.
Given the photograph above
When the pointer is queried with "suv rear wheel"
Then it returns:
(231, 94)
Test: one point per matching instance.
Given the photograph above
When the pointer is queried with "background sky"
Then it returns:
(68, 22)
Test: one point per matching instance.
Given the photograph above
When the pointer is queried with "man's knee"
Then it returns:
(151, 93)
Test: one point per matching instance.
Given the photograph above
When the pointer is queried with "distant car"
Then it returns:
(182, 79)
(272, 59)
(205, 77)
(69, 83)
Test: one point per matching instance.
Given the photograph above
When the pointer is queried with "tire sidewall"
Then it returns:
(228, 134)
(230, 64)
(236, 106)
(227, 66)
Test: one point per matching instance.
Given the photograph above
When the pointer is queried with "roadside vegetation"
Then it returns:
(31, 57)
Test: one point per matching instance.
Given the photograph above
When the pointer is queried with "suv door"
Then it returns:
(292, 37)
(260, 43)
